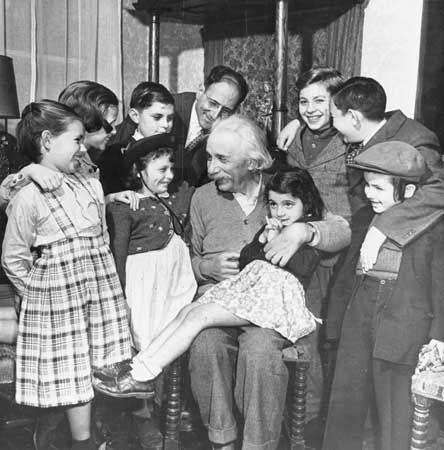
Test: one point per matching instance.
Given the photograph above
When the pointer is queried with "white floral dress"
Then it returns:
(267, 296)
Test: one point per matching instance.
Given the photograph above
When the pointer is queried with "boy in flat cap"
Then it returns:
(358, 111)
(391, 310)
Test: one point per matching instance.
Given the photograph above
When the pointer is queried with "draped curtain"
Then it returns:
(345, 41)
(55, 42)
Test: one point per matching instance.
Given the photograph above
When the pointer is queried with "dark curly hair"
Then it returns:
(89, 100)
(298, 183)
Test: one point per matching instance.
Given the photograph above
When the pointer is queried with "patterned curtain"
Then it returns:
(345, 41)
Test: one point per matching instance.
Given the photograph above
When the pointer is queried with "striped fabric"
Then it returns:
(72, 319)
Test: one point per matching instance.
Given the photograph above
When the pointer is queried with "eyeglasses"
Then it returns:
(222, 110)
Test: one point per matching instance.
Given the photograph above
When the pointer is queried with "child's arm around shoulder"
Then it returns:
(404, 222)
(47, 179)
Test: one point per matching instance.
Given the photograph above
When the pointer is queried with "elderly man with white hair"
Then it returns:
(242, 365)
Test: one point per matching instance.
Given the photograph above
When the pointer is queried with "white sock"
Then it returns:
(144, 370)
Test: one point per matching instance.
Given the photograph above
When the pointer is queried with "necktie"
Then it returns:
(196, 141)
(353, 151)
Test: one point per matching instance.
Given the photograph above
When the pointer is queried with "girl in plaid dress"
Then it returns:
(55, 252)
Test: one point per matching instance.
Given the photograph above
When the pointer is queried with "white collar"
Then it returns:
(380, 125)
(248, 203)
(137, 135)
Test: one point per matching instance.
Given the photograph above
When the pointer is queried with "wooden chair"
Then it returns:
(297, 358)
(427, 387)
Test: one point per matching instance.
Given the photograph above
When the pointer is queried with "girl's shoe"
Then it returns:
(113, 371)
(125, 386)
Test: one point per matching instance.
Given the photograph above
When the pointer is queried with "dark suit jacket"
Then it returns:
(409, 219)
(415, 311)
(190, 166)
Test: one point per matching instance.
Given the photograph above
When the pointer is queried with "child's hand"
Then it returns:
(370, 248)
(128, 197)
(287, 134)
(272, 229)
(47, 179)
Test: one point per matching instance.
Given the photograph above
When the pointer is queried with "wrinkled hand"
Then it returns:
(221, 266)
(47, 179)
(370, 248)
(128, 197)
(287, 134)
(279, 250)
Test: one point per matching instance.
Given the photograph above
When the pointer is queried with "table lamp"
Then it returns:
(9, 107)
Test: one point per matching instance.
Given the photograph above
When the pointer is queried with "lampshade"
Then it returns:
(8, 92)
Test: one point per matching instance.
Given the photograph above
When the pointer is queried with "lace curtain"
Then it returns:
(55, 42)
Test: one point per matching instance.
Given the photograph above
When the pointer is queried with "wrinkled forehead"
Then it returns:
(226, 143)
(224, 92)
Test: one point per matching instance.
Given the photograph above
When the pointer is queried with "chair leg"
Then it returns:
(297, 405)
(421, 416)
(172, 425)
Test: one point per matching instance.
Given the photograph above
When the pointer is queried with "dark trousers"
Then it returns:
(242, 367)
(359, 377)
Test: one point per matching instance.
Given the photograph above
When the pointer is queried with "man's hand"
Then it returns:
(287, 134)
(370, 248)
(279, 250)
(47, 179)
(128, 197)
(221, 266)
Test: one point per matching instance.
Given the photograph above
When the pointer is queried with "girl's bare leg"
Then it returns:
(180, 339)
(8, 325)
(79, 418)
(169, 330)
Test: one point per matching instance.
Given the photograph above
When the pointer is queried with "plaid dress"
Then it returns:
(72, 316)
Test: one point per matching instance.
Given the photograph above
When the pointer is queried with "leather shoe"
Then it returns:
(125, 386)
(113, 371)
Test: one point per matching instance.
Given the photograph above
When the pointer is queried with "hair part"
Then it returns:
(147, 93)
(299, 184)
(331, 78)
(252, 140)
(90, 100)
(133, 180)
(362, 94)
(221, 73)
(37, 117)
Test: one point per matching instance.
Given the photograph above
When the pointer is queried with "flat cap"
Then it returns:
(145, 146)
(393, 158)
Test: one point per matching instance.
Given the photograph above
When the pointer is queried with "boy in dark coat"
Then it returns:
(391, 309)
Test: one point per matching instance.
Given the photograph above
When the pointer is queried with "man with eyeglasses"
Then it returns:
(224, 90)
